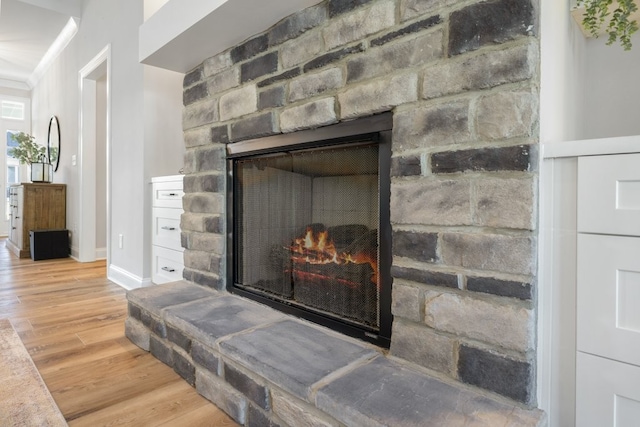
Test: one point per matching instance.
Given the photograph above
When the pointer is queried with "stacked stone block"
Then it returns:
(461, 78)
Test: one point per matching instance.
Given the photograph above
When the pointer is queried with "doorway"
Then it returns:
(93, 223)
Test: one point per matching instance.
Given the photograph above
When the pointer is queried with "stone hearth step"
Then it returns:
(265, 368)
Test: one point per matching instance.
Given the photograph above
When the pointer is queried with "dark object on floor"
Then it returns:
(49, 244)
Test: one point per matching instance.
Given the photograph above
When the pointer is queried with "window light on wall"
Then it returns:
(12, 110)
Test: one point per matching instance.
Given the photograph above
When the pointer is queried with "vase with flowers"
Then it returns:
(29, 152)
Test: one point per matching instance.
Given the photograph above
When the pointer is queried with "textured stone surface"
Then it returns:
(294, 355)
(359, 24)
(309, 115)
(203, 203)
(436, 125)
(196, 137)
(214, 224)
(211, 158)
(298, 23)
(487, 23)
(433, 278)
(423, 346)
(220, 134)
(431, 202)
(482, 71)
(193, 76)
(282, 77)
(296, 413)
(378, 96)
(208, 182)
(161, 350)
(155, 298)
(208, 280)
(384, 393)
(406, 302)
(506, 115)
(509, 254)
(222, 395)
(258, 67)
(183, 367)
(414, 8)
(217, 63)
(515, 158)
(409, 29)
(246, 385)
(225, 80)
(502, 324)
(200, 113)
(337, 7)
(210, 319)
(238, 102)
(412, 244)
(137, 333)
(511, 378)
(302, 49)
(406, 166)
(313, 84)
(505, 288)
(195, 93)
(176, 337)
(397, 56)
(249, 48)
(258, 418)
(328, 58)
(270, 98)
(497, 206)
(204, 357)
(192, 222)
(253, 127)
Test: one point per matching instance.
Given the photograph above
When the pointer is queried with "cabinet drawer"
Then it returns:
(608, 297)
(167, 265)
(166, 228)
(607, 392)
(609, 194)
(168, 194)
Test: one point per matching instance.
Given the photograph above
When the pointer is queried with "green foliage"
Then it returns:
(619, 27)
(27, 151)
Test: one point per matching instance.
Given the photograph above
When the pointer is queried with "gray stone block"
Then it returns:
(192, 221)
(359, 24)
(262, 65)
(506, 288)
(293, 355)
(482, 71)
(220, 134)
(516, 158)
(197, 260)
(211, 158)
(423, 346)
(298, 23)
(194, 93)
(487, 23)
(211, 203)
(310, 115)
(217, 63)
(379, 95)
(431, 202)
(178, 338)
(337, 7)
(414, 8)
(270, 98)
(432, 126)
(256, 417)
(207, 242)
(223, 81)
(249, 48)
(409, 29)
(419, 246)
(205, 357)
(301, 49)
(211, 182)
(505, 203)
(501, 324)
(310, 85)
(282, 77)
(197, 137)
(183, 367)
(214, 224)
(385, 393)
(205, 279)
(257, 393)
(297, 413)
(505, 115)
(406, 166)
(222, 395)
(506, 376)
(137, 333)
(200, 113)
(239, 102)
(208, 320)
(328, 58)
(192, 77)
(397, 56)
(432, 278)
(494, 252)
(161, 350)
(406, 302)
(253, 127)
(158, 297)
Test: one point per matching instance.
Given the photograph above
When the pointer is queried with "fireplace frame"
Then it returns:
(373, 129)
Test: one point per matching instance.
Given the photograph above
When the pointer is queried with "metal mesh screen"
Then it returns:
(307, 230)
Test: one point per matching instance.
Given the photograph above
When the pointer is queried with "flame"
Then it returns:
(318, 248)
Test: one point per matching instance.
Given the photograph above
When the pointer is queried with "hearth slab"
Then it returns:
(213, 318)
(294, 355)
(156, 298)
(387, 393)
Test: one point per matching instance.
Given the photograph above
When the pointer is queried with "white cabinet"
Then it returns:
(608, 291)
(167, 251)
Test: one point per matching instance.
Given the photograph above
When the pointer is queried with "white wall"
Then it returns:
(116, 23)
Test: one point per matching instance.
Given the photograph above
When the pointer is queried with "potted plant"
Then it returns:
(615, 18)
(29, 152)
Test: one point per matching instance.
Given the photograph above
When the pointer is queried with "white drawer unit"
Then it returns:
(608, 291)
(167, 250)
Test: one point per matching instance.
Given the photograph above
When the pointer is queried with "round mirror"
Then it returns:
(53, 142)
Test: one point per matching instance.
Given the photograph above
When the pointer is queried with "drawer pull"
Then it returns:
(168, 228)
(172, 194)
(169, 269)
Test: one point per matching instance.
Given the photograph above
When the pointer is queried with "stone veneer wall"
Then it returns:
(461, 77)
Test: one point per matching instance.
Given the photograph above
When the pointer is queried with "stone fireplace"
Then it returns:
(459, 83)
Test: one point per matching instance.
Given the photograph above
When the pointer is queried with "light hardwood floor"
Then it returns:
(71, 319)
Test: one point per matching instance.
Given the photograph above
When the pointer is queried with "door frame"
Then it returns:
(98, 67)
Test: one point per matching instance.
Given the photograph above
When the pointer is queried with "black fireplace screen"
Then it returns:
(307, 233)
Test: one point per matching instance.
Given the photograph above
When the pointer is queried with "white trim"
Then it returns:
(592, 147)
(59, 44)
(96, 68)
(126, 279)
(101, 253)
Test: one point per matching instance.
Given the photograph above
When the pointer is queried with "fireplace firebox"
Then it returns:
(309, 222)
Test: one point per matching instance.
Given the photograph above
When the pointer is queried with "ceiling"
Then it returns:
(28, 28)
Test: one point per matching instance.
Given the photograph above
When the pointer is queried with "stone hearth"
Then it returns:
(266, 369)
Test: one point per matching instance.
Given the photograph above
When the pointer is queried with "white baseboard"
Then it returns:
(101, 253)
(126, 279)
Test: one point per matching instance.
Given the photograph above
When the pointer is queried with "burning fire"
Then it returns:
(318, 248)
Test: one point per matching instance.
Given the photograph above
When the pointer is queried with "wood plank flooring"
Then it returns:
(71, 320)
